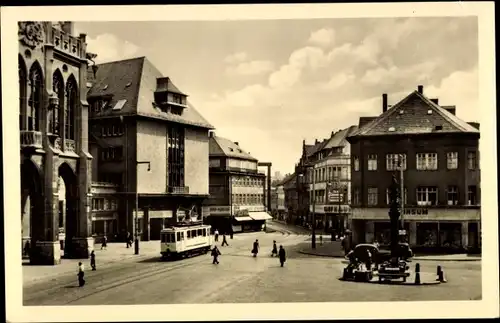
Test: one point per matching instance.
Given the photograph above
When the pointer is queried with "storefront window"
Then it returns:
(450, 235)
(427, 234)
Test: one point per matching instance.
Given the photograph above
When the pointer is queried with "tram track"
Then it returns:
(127, 273)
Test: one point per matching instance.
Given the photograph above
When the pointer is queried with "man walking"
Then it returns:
(255, 249)
(92, 260)
(104, 242)
(224, 241)
(215, 253)
(81, 274)
(216, 235)
(282, 256)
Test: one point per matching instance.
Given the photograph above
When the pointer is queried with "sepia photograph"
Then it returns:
(212, 156)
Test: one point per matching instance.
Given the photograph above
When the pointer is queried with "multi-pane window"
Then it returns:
(427, 161)
(372, 162)
(330, 173)
(356, 197)
(356, 164)
(472, 195)
(22, 93)
(35, 99)
(395, 161)
(58, 88)
(452, 160)
(372, 196)
(112, 153)
(70, 108)
(471, 160)
(452, 195)
(388, 196)
(175, 156)
(427, 196)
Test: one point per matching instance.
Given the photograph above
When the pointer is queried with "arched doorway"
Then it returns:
(68, 216)
(32, 217)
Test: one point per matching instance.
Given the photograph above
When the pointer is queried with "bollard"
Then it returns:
(438, 273)
(441, 276)
(417, 274)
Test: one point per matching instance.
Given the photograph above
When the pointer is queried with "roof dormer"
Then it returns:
(168, 97)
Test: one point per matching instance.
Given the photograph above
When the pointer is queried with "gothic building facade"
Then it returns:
(53, 142)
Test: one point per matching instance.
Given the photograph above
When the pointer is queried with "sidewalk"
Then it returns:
(455, 257)
(116, 252)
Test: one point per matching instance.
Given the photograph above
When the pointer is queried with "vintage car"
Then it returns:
(379, 255)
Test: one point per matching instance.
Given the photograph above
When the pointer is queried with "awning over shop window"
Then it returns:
(242, 218)
(260, 215)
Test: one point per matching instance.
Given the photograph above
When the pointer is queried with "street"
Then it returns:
(240, 278)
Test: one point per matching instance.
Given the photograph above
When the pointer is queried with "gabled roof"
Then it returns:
(287, 179)
(339, 138)
(219, 146)
(134, 80)
(411, 116)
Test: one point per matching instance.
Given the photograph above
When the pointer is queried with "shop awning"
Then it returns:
(242, 218)
(260, 215)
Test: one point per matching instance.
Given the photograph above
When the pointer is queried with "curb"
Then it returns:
(413, 259)
(319, 254)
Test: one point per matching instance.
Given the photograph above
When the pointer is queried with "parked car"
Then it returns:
(378, 255)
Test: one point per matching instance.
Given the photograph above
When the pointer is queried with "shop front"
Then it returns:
(104, 224)
(427, 228)
(331, 217)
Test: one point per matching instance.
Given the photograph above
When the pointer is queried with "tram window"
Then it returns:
(188, 234)
(178, 236)
(193, 233)
(200, 233)
(167, 237)
(182, 235)
(204, 232)
(163, 238)
(172, 237)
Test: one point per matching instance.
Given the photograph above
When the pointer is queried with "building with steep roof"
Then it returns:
(137, 117)
(438, 157)
(237, 189)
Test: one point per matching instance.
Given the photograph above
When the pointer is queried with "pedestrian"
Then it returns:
(104, 242)
(92, 260)
(128, 240)
(81, 274)
(368, 260)
(215, 253)
(231, 234)
(255, 249)
(274, 252)
(224, 241)
(27, 248)
(321, 239)
(216, 235)
(282, 256)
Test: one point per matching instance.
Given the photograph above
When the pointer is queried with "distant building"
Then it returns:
(278, 201)
(323, 174)
(147, 139)
(237, 199)
(439, 156)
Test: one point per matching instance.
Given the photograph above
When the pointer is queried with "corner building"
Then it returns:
(237, 189)
(150, 141)
(439, 155)
(55, 162)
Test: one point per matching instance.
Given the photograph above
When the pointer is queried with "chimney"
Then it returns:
(316, 141)
(474, 124)
(420, 89)
(450, 108)
(436, 101)
(236, 143)
(384, 102)
(333, 133)
(212, 134)
(67, 27)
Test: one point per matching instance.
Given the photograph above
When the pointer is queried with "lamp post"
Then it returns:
(136, 249)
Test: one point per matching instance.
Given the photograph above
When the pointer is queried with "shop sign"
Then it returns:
(164, 214)
(243, 212)
(335, 209)
(417, 211)
(219, 210)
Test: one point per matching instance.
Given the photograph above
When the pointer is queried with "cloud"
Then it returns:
(108, 47)
(251, 68)
(326, 86)
(322, 37)
(236, 58)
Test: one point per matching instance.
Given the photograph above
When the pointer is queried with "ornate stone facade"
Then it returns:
(53, 122)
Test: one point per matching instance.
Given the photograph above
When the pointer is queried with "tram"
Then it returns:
(182, 241)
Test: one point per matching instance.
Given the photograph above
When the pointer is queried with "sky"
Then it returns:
(271, 84)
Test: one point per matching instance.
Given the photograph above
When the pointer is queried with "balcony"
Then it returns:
(31, 139)
(178, 189)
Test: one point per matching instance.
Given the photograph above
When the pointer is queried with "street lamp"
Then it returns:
(313, 240)
(136, 251)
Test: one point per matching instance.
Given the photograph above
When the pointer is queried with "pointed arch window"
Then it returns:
(35, 100)
(70, 108)
(23, 80)
(58, 88)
